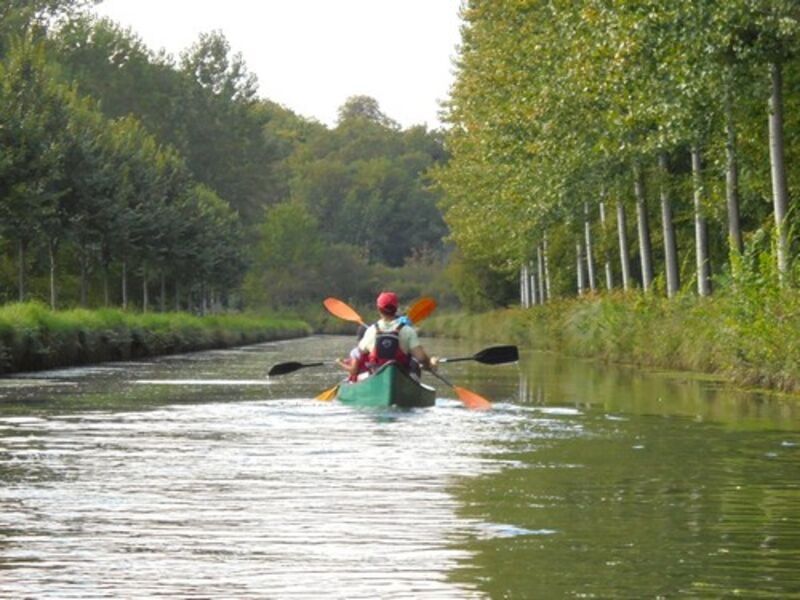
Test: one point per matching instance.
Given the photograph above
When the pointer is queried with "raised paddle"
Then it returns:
(342, 310)
(468, 398)
(496, 355)
(421, 309)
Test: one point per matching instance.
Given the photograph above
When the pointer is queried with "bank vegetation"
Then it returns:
(33, 337)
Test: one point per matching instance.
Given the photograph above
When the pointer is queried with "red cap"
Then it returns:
(387, 302)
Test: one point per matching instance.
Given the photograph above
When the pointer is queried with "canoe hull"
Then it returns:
(388, 386)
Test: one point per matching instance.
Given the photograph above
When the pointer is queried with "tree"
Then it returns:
(33, 113)
(366, 108)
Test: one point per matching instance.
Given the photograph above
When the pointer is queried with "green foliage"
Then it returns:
(365, 182)
(554, 102)
(122, 168)
(479, 288)
(33, 337)
(293, 266)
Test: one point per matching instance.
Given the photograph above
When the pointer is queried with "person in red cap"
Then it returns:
(391, 338)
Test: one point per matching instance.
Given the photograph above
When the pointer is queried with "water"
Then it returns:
(195, 477)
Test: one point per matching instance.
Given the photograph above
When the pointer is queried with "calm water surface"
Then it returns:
(194, 476)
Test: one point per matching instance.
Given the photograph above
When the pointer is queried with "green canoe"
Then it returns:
(388, 386)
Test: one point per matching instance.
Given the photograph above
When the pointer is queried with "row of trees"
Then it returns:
(117, 162)
(568, 115)
(107, 188)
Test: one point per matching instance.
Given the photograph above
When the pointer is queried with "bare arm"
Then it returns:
(422, 357)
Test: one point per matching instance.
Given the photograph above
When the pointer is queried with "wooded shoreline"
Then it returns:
(34, 338)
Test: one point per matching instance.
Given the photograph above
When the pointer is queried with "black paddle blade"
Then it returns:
(497, 355)
(290, 367)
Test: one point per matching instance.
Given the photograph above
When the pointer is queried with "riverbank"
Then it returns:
(752, 340)
(33, 337)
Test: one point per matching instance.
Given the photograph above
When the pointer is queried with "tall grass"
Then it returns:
(749, 331)
(33, 337)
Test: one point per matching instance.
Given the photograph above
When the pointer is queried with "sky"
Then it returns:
(311, 55)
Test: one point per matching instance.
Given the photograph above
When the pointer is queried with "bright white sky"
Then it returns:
(311, 55)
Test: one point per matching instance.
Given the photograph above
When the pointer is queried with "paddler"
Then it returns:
(391, 338)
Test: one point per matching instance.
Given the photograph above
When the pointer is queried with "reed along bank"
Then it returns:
(33, 337)
(752, 339)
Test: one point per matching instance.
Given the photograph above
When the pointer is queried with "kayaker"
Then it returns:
(390, 338)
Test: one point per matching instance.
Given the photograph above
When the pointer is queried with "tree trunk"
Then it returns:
(522, 286)
(780, 193)
(622, 235)
(645, 247)
(534, 289)
(52, 247)
(21, 247)
(579, 267)
(124, 283)
(163, 298)
(106, 291)
(606, 258)
(668, 228)
(700, 228)
(732, 175)
(145, 295)
(547, 288)
(105, 257)
(84, 265)
(587, 228)
(540, 273)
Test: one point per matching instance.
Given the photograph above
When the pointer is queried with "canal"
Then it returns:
(195, 476)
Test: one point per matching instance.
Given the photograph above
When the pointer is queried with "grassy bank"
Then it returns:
(33, 337)
(749, 336)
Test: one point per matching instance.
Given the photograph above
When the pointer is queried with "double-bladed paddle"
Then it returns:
(291, 367)
(495, 355)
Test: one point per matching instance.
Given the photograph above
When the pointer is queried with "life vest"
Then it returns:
(387, 348)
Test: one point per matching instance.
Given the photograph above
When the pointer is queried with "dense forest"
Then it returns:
(129, 177)
(577, 126)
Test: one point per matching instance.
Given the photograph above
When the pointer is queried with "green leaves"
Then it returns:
(554, 99)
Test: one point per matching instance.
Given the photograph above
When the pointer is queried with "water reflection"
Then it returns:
(194, 476)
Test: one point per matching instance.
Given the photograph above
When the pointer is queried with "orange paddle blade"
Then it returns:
(342, 310)
(328, 395)
(421, 309)
(472, 400)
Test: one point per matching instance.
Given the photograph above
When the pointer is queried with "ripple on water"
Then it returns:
(290, 496)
